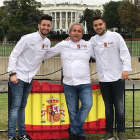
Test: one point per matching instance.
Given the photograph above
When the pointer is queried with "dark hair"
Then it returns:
(97, 18)
(45, 17)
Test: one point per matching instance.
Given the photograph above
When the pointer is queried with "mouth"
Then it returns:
(99, 30)
(45, 30)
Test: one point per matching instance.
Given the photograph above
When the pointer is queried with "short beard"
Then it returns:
(104, 31)
(43, 33)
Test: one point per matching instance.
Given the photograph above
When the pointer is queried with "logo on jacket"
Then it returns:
(44, 46)
(81, 47)
(105, 44)
(78, 46)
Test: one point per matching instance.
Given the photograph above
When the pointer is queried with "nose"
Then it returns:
(98, 26)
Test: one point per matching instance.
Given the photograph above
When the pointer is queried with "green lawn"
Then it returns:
(134, 48)
(128, 116)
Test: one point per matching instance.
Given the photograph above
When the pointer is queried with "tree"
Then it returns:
(111, 14)
(22, 16)
(87, 16)
(129, 13)
(4, 23)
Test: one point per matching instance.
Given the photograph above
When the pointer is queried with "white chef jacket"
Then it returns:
(27, 56)
(112, 56)
(75, 58)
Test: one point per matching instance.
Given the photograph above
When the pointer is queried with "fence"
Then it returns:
(132, 41)
(131, 110)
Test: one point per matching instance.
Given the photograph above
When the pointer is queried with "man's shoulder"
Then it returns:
(113, 33)
(64, 42)
(93, 38)
(31, 35)
(85, 42)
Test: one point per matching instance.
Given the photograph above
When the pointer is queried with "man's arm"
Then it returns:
(53, 51)
(125, 57)
(19, 48)
(92, 48)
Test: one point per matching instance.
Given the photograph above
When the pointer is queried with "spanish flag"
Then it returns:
(46, 113)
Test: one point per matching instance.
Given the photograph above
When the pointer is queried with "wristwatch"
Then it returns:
(11, 74)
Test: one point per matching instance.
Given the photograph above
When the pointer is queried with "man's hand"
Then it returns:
(14, 79)
(67, 39)
(125, 75)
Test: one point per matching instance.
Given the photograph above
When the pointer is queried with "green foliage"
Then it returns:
(4, 22)
(87, 16)
(136, 34)
(129, 13)
(111, 15)
(18, 16)
(138, 30)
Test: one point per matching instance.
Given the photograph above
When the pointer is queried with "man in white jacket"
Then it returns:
(113, 65)
(24, 62)
(75, 55)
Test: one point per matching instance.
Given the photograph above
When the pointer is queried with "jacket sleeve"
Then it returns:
(92, 43)
(20, 47)
(124, 54)
(53, 51)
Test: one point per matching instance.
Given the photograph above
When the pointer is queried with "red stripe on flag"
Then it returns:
(60, 131)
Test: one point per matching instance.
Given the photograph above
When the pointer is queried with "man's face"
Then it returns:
(44, 27)
(76, 33)
(99, 26)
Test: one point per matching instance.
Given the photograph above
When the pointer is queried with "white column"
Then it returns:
(55, 22)
(75, 17)
(52, 21)
(60, 20)
(66, 21)
(71, 17)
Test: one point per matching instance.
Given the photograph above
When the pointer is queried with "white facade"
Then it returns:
(65, 13)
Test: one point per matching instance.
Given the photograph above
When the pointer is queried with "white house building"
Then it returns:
(65, 13)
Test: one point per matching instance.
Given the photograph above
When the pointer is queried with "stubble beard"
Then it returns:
(103, 32)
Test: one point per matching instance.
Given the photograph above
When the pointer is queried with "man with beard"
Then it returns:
(24, 62)
(113, 65)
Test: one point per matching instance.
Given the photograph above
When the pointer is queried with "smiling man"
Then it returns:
(113, 65)
(24, 62)
(75, 55)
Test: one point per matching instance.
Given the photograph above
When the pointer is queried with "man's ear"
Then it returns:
(38, 25)
(105, 24)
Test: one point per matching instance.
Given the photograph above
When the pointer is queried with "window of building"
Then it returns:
(57, 25)
(69, 15)
(63, 25)
(57, 15)
(73, 15)
(53, 15)
(63, 15)
(53, 24)
(69, 24)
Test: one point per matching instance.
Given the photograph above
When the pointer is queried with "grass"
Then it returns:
(133, 47)
(3, 111)
(128, 116)
(129, 108)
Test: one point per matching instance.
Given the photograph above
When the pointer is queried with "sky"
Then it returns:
(88, 2)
